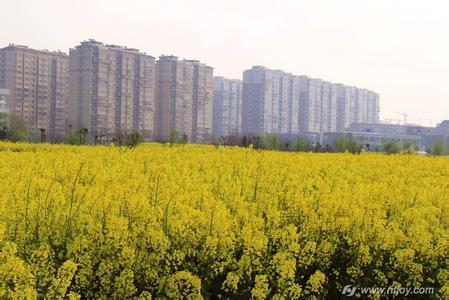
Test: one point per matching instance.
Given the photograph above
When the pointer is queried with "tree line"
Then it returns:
(15, 130)
(343, 143)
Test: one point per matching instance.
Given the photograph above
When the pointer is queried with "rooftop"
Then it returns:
(15, 47)
(92, 42)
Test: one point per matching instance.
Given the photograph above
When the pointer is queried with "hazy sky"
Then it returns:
(398, 48)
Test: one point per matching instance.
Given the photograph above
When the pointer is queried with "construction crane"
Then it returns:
(405, 115)
(393, 121)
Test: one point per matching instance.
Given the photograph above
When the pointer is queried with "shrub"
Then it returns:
(391, 146)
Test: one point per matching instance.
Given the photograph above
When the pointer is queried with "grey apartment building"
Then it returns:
(270, 102)
(38, 85)
(112, 90)
(318, 106)
(227, 118)
(184, 99)
(279, 102)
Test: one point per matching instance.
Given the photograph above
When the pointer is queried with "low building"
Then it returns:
(373, 140)
(372, 135)
(384, 128)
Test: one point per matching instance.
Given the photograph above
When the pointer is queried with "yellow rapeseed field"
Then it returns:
(199, 221)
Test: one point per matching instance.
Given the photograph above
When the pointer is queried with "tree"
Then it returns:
(244, 141)
(222, 140)
(17, 130)
(174, 138)
(340, 144)
(344, 144)
(184, 139)
(439, 148)
(99, 137)
(256, 141)
(354, 147)
(71, 137)
(133, 138)
(303, 145)
(43, 135)
(271, 141)
(3, 132)
(409, 147)
(391, 146)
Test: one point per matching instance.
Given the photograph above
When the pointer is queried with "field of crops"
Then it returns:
(161, 221)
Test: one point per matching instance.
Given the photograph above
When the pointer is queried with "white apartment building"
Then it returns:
(277, 102)
(227, 119)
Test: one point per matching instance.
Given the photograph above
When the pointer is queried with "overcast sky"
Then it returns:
(398, 48)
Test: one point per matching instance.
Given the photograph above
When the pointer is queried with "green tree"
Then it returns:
(71, 138)
(82, 135)
(343, 143)
(174, 138)
(133, 138)
(303, 145)
(391, 146)
(354, 147)
(17, 130)
(222, 140)
(3, 132)
(439, 148)
(409, 147)
(340, 144)
(271, 141)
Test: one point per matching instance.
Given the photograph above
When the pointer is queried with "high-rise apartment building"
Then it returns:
(111, 90)
(184, 99)
(270, 104)
(373, 107)
(255, 102)
(318, 106)
(345, 106)
(38, 83)
(279, 102)
(356, 106)
(203, 99)
(4, 94)
(227, 118)
(311, 105)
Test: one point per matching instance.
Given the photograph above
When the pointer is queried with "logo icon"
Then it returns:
(349, 290)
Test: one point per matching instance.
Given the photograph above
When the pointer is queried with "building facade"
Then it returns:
(270, 102)
(4, 110)
(38, 84)
(375, 133)
(279, 102)
(203, 100)
(184, 99)
(256, 102)
(111, 91)
(227, 119)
